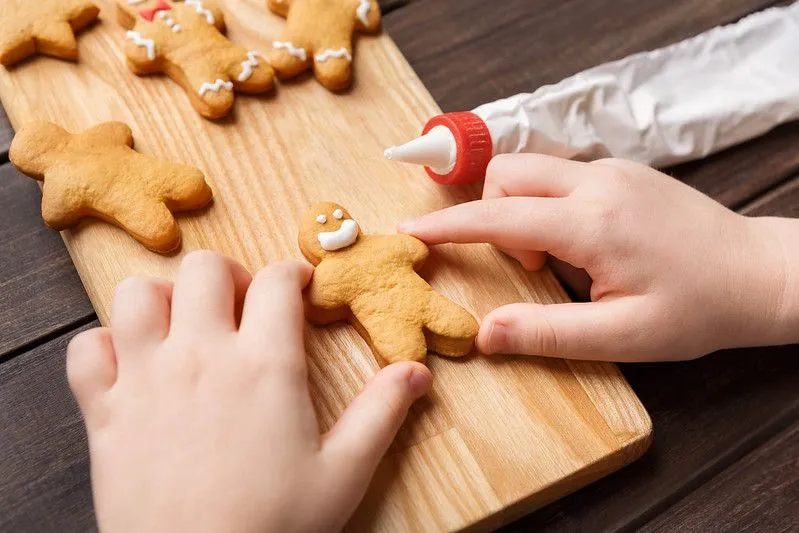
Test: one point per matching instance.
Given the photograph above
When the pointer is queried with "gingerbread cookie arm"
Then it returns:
(367, 15)
(142, 54)
(108, 133)
(209, 10)
(185, 188)
(57, 39)
(417, 251)
(279, 7)
(332, 292)
(15, 46)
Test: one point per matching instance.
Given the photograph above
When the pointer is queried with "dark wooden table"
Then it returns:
(726, 449)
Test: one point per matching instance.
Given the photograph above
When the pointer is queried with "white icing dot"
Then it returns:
(321, 219)
(162, 14)
(338, 214)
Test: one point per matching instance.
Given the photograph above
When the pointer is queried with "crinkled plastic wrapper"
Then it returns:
(667, 106)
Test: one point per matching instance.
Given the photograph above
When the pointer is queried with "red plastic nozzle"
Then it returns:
(474, 148)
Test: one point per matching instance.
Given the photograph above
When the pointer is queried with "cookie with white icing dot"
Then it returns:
(184, 40)
(318, 35)
(371, 281)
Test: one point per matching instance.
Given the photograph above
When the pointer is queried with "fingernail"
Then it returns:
(497, 338)
(407, 226)
(420, 381)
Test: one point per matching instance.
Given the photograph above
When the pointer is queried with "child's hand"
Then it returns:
(675, 274)
(199, 420)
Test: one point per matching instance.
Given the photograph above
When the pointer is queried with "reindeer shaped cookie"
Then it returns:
(370, 280)
(319, 33)
(183, 39)
(96, 173)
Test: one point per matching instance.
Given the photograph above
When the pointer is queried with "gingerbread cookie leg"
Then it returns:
(62, 203)
(290, 55)
(332, 65)
(450, 329)
(154, 227)
(210, 92)
(249, 71)
(392, 338)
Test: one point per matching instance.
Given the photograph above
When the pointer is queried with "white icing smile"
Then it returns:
(346, 235)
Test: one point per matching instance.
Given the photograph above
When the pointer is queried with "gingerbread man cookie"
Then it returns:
(371, 281)
(183, 39)
(44, 26)
(319, 33)
(96, 173)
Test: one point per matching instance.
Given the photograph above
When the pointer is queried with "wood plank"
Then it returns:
(271, 160)
(45, 459)
(468, 52)
(40, 292)
(693, 406)
(782, 201)
(758, 493)
(6, 134)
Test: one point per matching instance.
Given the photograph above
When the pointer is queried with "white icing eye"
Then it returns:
(321, 219)
(162, 14)
(338, 214)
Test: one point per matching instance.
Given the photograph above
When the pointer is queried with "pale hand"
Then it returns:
(675, 274)
(198, 412)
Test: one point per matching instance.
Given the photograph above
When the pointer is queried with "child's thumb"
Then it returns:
(598, 330)
(364, 432)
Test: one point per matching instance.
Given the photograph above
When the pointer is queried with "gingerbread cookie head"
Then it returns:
(326, 228)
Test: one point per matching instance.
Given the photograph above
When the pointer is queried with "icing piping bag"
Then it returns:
(663, 107)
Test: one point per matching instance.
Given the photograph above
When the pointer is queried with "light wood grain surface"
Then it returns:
(498, 437)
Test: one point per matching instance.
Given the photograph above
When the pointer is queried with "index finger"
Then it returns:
(273, 310)
(516, 223)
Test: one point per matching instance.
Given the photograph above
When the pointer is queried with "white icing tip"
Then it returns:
(436, 149)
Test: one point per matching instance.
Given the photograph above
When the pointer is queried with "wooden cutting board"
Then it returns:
(498, 437)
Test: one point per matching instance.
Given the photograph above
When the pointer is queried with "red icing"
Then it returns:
(149, 13)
